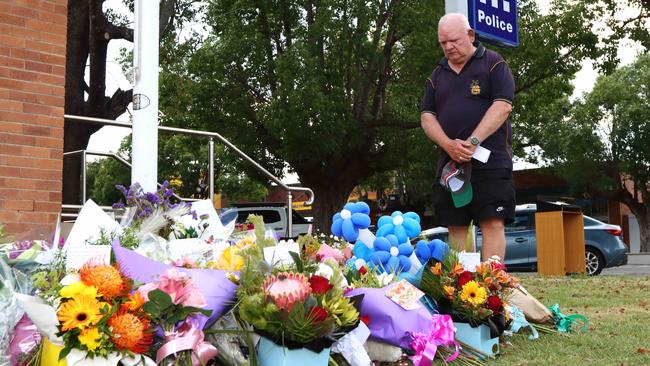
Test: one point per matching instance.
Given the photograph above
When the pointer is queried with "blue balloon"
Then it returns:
(350, 220)
(440, 249)
(422, 251)
(404, 226)
(391, 256)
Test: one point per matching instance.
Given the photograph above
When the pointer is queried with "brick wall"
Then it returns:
(32, 86)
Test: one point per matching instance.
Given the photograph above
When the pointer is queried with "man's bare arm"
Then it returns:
(453, 148)
(491, 121)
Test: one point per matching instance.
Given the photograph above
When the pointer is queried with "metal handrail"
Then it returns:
(223, 140)
(124, 162)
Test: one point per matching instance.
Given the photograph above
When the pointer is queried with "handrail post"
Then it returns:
(289, 214)
(83, 177)
(211, 169)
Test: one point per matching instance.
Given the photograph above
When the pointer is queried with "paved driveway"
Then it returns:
(630, 269)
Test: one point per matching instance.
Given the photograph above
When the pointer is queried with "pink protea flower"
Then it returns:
(286, 288)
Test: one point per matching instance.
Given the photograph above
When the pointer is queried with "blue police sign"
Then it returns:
(494, 21)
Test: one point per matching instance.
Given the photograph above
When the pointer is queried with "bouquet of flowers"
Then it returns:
(292, 305)
(92, 319)
(471, 297)
(98, 315)
(173, 302)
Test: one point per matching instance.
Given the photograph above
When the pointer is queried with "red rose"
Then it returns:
(495, 304)
(363, 271)
(318, 314)
(319, 285)
(365, 319)
(465, 277)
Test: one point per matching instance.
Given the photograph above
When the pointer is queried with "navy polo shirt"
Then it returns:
(459, 101)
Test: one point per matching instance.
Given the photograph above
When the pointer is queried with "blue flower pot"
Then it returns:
(477, 338)
(271, 354)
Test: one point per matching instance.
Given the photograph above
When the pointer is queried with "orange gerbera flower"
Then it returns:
(437, 269)
(456, 270)
(79, 312)
(130, 332)
(110, 282)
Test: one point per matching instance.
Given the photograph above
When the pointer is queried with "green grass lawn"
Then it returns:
(618, 309)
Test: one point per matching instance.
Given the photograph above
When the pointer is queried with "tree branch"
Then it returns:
(546, 75)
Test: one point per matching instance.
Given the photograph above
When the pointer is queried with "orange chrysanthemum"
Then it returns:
(110, 282)
(130, 332)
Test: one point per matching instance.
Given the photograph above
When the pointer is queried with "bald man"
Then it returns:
(466, 103)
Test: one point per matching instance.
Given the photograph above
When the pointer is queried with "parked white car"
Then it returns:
(274, 216)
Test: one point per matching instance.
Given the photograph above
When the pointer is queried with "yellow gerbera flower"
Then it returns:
(79, 312)
(473, 293)
(78, 288)
(89, 337)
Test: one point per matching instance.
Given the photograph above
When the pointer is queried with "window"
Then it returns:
(588, 221)
(298, 219)
(269, 216)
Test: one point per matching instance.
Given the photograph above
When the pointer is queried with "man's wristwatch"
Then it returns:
(474, 140)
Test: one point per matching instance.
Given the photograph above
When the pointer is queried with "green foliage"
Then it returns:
(47, 278)
(606, 136)
(302, 327)
(164, 312)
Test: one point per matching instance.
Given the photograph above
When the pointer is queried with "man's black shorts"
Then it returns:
(493, 196)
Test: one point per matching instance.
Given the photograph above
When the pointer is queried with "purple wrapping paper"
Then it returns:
(219, 292)
(389, 322)
(24, 340)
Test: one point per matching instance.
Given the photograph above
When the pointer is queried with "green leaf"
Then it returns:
(64, 352)
(298, 261)
(162, 299)
(152, 308)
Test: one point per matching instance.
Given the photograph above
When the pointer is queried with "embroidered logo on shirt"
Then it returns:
(474, 88)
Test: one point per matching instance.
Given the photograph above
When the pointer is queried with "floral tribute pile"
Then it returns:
(170, 284)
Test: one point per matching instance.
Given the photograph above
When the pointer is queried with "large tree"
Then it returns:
(603, 147)
(332, 88)
(91, 28)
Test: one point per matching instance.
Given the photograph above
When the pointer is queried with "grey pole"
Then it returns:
(83, 177)
(211, 168)
(289, 214)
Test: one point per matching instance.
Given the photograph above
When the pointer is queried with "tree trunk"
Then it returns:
(332, 182)
(75, 135)
(88, 35)
(329, 199)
